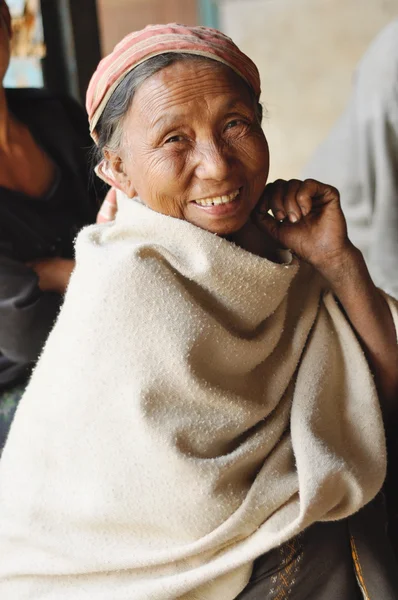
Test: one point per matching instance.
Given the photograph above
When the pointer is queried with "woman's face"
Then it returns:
(192, 146)
(4, 40)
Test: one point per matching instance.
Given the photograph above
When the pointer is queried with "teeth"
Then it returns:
(217, 200)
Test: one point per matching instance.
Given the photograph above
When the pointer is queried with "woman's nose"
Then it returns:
(213, 162)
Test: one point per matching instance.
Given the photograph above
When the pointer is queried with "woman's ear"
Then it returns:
(117, 166)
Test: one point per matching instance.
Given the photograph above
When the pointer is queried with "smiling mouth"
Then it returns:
(217, 200)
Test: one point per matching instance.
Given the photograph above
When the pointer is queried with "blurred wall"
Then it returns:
(27, 45)
(306, 51)
(119, 17)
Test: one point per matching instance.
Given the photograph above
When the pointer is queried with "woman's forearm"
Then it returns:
(370, 317)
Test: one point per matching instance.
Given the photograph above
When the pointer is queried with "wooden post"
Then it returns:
(71, 36)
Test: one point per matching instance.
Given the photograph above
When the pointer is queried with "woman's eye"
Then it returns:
(235, 123)
(173, 139)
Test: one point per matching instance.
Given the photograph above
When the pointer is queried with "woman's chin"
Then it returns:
(226, 229)
(222, 226)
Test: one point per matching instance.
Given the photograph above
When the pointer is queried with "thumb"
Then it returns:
(267, 223)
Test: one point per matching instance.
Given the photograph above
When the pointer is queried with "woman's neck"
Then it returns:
(24, 165)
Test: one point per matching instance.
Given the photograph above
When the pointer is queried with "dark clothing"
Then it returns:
(9, 400)
(343, 560)
(34, 228)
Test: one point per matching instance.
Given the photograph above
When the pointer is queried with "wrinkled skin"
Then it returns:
(192, 134)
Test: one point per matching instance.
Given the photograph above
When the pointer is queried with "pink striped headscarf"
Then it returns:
(139, 46)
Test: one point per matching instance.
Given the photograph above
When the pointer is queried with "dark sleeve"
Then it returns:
(26, 313)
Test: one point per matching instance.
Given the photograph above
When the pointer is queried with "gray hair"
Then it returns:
(110, 125)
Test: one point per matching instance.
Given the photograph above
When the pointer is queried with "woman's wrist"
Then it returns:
(348, 278)
(344, 268)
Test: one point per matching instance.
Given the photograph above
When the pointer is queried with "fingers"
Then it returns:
(266, 223)
(287, 202)
(274, 194)
(304, 198)
(108, 208)
(315, 194)
(293, 200)
(290, 200)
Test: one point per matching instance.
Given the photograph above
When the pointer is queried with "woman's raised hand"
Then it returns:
(307, 219)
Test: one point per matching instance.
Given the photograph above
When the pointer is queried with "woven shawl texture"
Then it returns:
(194, 407)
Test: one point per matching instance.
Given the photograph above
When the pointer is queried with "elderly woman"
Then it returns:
(205, 418)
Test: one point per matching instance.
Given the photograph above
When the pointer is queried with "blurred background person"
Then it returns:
(45, 199)
(360, 158)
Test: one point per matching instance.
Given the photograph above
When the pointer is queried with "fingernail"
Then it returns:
(280, 215)
(304, 210)
(293, 218)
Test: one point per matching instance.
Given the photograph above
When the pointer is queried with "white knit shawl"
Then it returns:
(194, 407)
